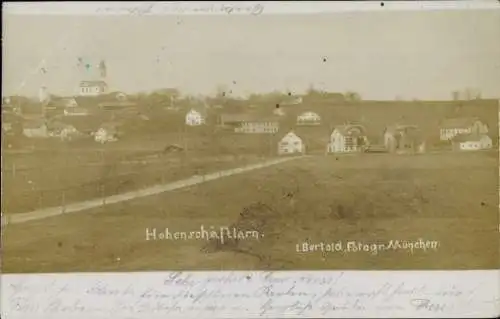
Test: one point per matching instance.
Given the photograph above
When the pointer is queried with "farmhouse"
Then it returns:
(92, 88)
(471, 142)
(35, 128)
(308, 118)
(347, 138)
(259, 126)
(401, 138)
(194, 118)
(454, 126)
(291, 144)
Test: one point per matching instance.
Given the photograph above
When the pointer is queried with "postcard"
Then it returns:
(250, 160)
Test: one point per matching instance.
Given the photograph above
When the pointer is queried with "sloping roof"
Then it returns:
(393, 129)
(291, 135)
(78, 110)
(61, 102)
(235, 118)
(469, 137)
(308, 114)
(458, 122)
(261, 119)
(82, 123)
(34, 124)
(92, 83)
(349, 129)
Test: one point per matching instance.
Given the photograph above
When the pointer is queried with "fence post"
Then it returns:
(40, 199)
(103, 193)
(63, 202)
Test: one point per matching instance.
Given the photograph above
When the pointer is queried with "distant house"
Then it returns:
(60, 103)
(62, 130)
(291, 144)
(309, 118)
(108, 132)
(35, 128)
(92, 88)
(294, 100)
(279, 112)
(454, 126)
(401, 137)
(347, 139)
(471, 142)
(195, 118)
(76, 111)
(258, 126)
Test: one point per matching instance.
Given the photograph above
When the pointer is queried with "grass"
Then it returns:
(448, 198)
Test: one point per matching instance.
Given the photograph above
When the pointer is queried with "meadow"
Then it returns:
(449, 199)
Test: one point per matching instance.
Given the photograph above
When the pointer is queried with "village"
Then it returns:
(292, 121)
(302, 129)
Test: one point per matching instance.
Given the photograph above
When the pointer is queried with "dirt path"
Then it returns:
(154, 190)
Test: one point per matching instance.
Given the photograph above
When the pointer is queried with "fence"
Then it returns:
(18, 200)
(157, 189)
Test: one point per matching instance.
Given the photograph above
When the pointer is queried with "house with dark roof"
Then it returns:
(347, 139)
(401, 137)
(471, 142)
(60, 102)
(451, 127)
(233, 119)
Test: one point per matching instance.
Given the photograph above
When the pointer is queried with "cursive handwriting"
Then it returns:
(183, 8)
(239, 293)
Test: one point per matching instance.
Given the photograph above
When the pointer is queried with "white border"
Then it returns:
(459, 294)
(228, 7)
(190, 295)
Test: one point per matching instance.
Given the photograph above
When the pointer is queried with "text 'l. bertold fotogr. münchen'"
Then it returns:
(221, 233)
(374, 248)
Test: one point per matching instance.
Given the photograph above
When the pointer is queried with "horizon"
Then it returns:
(371, 53)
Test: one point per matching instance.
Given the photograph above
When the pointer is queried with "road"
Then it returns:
(154, 190)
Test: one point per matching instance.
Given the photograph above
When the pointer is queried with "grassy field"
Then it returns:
(47, 178)
(448, 198)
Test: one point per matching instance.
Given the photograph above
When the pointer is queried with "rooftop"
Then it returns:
(458, 122)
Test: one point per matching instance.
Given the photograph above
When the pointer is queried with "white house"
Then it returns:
(308, 118)
(471, 142)
(194, 118)
(63, 131)
(449, 128)
(92, 88)
(106, 133)
(258, 126)
(347, 139)
(291, 144)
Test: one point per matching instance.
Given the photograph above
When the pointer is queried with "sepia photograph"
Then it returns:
(330, 141)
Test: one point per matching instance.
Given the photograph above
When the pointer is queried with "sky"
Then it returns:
(381, 55)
